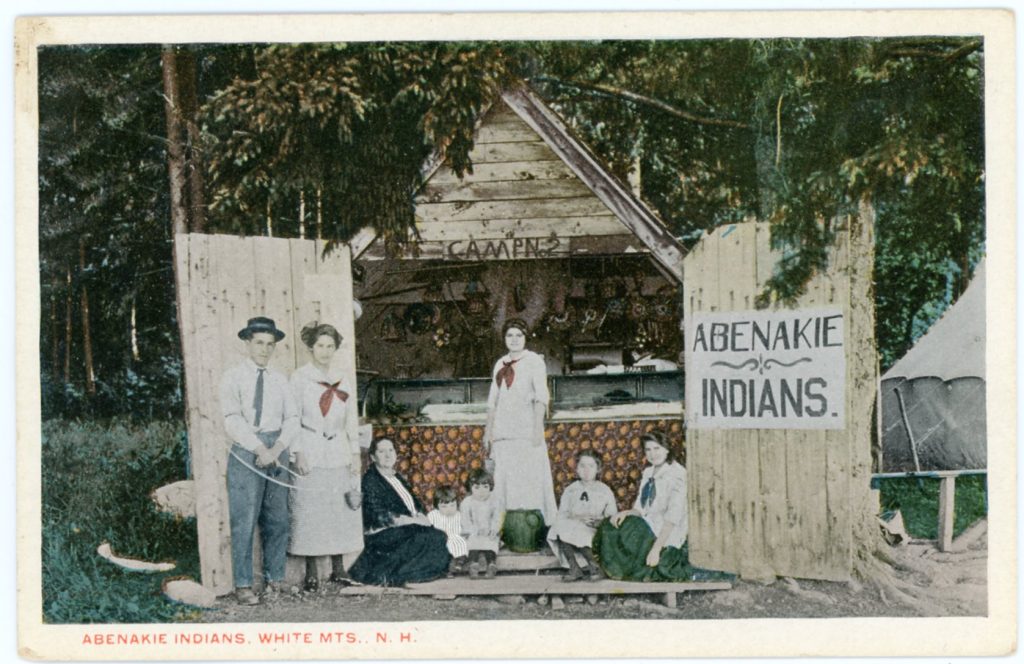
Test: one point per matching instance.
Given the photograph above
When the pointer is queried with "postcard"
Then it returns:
(513, 335)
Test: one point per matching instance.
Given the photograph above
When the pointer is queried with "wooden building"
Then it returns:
(539, 230)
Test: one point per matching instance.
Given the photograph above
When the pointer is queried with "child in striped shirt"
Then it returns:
(445, 517)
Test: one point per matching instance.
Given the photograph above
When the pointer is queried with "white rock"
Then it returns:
(188, 591)
(177, 498)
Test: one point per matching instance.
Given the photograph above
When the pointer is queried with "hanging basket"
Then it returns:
(421, 317)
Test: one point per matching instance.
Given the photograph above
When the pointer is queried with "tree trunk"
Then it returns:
(189, 108)
(67, 329)
(302, 215)
(319, 212)
(90, 374)
(134, 333)
(54, 331)
(175, 148)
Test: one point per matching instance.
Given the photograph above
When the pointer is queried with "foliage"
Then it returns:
(918, 501)
(797, 132)
(103, 191)
(95, 484)
(347, 125)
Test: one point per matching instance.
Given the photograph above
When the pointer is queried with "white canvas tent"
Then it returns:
(933, 399)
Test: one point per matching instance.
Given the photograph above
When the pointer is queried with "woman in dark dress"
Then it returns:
(400, 544)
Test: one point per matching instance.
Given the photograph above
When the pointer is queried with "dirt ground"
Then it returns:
(931, 583)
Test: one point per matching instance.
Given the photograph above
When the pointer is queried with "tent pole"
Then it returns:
(906, 425)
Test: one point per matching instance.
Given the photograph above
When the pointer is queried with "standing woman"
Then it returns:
(514, 436)
(325, 514)
(648, 542)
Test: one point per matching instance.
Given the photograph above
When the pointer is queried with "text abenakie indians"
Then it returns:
(348, 345)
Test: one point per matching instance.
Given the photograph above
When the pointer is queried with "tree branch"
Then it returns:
(637, 98)
(949, 56)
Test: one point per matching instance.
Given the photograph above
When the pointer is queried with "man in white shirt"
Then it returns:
(261, 420)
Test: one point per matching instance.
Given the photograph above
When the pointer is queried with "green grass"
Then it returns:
(96, 481)
(919, 503)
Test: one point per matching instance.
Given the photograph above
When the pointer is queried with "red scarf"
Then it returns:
(327, 398)
(506, 373)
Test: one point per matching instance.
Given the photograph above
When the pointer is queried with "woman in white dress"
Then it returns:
(326, 519)
(514, 435)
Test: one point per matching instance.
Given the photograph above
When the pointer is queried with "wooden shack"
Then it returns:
(539, 230)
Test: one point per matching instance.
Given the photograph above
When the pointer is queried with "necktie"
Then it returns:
(327, 398)
(257, 399)
(648, 493)
(506, 373)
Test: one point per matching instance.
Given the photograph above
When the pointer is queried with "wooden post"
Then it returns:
(90, 371)
(947, 509)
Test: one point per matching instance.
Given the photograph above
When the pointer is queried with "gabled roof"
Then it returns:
(630, 210)
(603, 204)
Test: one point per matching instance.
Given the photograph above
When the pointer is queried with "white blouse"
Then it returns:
(669, 503)
(323, 439)
(513, 406)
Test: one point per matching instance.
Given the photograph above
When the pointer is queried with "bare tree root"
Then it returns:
(875, 567)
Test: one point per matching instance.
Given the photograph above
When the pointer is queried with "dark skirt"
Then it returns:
(623, 551)
(402, 554)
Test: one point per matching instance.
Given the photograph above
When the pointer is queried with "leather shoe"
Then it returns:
(246, 597)
(343, 580)
(575, 574)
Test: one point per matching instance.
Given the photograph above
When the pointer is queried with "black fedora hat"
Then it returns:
(260, 324)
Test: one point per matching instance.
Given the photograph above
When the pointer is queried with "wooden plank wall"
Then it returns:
(767, 503)
(519, 187)
(223, 281)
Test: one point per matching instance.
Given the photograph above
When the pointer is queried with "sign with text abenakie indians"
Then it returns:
(766, 370)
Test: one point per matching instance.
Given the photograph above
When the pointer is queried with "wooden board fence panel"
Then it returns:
(223, 281)
(776, 502)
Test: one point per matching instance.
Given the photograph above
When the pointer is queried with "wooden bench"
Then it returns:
(520, 582)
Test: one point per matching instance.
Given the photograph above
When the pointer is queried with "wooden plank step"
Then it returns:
(536, 585)
(525, 562)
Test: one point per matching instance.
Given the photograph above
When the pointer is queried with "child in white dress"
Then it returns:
(481, 522)
(445, 517)
(585, 503)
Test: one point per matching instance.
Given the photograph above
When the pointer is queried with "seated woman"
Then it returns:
(399, 543)
(648, 542)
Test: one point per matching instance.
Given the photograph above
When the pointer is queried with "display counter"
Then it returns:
(439, 425)
(573, 397)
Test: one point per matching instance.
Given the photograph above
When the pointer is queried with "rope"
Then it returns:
(276, 481)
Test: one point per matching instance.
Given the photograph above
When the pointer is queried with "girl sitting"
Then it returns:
(481, 522)
(445, 517)
(585, 503)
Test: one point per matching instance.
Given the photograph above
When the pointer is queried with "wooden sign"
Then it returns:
(766, 370)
